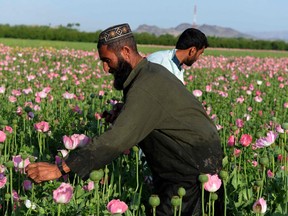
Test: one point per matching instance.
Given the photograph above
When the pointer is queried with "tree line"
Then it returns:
(70, 33)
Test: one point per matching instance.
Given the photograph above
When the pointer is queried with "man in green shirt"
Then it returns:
(160, 115)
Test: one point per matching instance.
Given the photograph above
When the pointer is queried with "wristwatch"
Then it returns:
(60, 167)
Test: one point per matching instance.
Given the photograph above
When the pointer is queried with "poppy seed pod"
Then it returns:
(96, 175)
(264, 161)
(181, 192)
(154, 200)
(175, 201)
(203, 178)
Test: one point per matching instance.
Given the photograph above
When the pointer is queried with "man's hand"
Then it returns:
(43, 171)
(110, 116)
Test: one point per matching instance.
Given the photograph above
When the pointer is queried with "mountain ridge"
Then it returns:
(212, 30)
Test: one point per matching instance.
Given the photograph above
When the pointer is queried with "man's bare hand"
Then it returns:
(43, 171)
(110, 116)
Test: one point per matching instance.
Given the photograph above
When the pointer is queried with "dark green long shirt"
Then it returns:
(169, 124)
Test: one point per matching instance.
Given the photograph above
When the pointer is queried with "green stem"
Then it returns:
(209, 211)
(175, 210)
(11, 186)
(96, 197)
(203, 209)
(225, 198)
(180, 207)
(59, 210)
(137, 171)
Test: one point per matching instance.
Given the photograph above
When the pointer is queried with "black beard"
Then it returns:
(120, 73)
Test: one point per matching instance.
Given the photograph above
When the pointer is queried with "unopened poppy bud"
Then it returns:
(14, 121)
(24, 156)
(264, 161)
(154, 200)
(106, 170)
(9, 164)
(181, 192)
(203, 178)
(214, 196)
(285, 126)
(175, 201)
(259, 183)
(7, 196)
(4, 122)
(259, 135)
(135, 149)
(223, 174)
(32, 159)
(42, 211)
(96, 175)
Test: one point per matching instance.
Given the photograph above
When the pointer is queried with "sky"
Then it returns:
(92, 15)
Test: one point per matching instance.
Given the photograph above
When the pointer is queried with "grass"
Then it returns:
(142, 48)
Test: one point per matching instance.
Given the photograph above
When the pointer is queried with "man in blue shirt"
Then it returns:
(189, 47)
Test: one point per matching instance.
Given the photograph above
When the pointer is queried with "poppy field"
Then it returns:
(52, 102)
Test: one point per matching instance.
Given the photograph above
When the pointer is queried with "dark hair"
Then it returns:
(192, 37)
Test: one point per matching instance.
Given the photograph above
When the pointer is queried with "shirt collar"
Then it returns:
(176, 61)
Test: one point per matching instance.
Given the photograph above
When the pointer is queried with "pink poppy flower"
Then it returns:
(231, 141)
(15, 92)
(27, 185)
(98, 116)
(3, 180)
(117, 207)
(89, 186)
(12, 99)
(2, 89)
(240, 99)
(41, 94)
(63, 193)
(237, 152)
(16, 196)
(260, 206)
(239, 123)
(270, 174)
(83, 140)
(27, 91)
(76, 140)
(2, 136)
(68, 143)
(258, 99)
(63, 152)
(285, 105)
(245, 140)
(67, 95)
(197, 93)
(254, 163)
(19, 163)
(208, 88)
(266, 141)
(42, 126)
(8, 129)
(101, 93)
(213, 183)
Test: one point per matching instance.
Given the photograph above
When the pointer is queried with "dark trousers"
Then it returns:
(191, 202)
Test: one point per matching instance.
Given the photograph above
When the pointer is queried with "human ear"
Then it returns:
(192, 51)
(125, 52)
